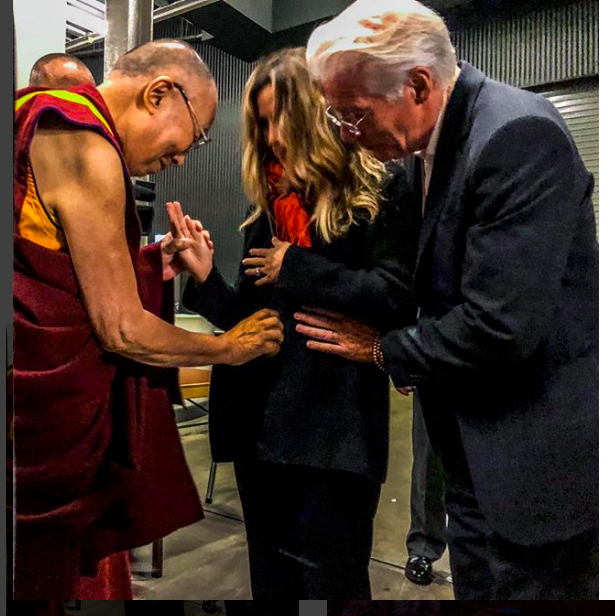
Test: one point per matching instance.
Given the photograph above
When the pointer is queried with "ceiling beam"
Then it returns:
(162, 13)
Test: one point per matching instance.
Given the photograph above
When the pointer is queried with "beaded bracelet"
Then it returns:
(377, 353)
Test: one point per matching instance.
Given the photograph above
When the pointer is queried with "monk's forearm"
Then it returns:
(147, 339)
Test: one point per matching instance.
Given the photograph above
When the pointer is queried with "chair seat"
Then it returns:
(194, 382)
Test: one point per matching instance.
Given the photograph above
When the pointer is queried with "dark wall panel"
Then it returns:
(579, 106)
(546, 45)
(209, 184)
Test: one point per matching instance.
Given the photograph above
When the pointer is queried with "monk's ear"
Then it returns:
(157, 92)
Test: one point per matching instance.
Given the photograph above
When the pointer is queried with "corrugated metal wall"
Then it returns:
(579, 108)
(542, 48)
(547, 45)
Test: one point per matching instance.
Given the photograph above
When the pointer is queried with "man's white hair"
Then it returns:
(393, 35)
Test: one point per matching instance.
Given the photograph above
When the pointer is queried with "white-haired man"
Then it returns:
(505, 350)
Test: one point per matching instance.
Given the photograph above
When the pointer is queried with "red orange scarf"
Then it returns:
(292, 222)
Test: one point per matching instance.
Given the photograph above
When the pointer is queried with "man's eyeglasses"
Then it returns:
(204, 139)
(352, 128)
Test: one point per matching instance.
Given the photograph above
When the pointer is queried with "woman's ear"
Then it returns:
(156, 92)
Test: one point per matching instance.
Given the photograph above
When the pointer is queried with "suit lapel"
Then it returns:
(455, 129)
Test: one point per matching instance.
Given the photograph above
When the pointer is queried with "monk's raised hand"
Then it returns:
(196, 255)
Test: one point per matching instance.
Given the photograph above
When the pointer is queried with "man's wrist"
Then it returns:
(377, 355)
(403, 359)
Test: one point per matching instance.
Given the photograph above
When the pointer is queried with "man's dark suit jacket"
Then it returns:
(506, 347)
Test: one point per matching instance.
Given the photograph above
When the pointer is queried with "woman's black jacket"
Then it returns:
(304, 407)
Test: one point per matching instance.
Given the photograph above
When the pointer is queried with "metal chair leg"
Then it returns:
(157, 558)
(209, 497)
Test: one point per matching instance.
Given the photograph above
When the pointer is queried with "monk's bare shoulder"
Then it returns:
(72, 164)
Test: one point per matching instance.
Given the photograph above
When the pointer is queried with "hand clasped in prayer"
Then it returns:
(197, 252)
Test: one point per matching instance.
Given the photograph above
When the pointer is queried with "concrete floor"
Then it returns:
(209, 559)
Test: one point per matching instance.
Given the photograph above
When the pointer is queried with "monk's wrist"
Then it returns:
(224, 349)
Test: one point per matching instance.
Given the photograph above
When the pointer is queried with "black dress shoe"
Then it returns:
(418, 570)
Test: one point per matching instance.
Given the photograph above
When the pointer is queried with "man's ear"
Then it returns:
(156, 92)
(421, 81)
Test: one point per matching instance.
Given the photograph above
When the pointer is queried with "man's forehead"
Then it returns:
(345, 81)
(341, 91)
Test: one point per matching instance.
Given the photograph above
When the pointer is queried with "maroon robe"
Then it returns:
(99, 466)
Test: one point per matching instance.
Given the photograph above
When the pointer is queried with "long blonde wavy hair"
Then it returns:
(341, 184)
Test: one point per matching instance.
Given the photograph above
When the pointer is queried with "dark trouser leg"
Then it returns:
(565, 570)
(467, 544)
(268, 526)
(335, 514)
(466, 532)
(427, 534)
(309, 530)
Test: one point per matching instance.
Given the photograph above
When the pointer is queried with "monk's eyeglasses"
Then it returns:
(204, 138)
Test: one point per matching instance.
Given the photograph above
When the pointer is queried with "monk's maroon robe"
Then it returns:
(99, 466)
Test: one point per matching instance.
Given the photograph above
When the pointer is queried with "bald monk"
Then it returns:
(98, 463)
(60, 70)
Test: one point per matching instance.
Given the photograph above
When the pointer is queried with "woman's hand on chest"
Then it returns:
(266, 263)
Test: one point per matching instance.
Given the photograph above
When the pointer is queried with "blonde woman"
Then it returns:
(308, 434)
